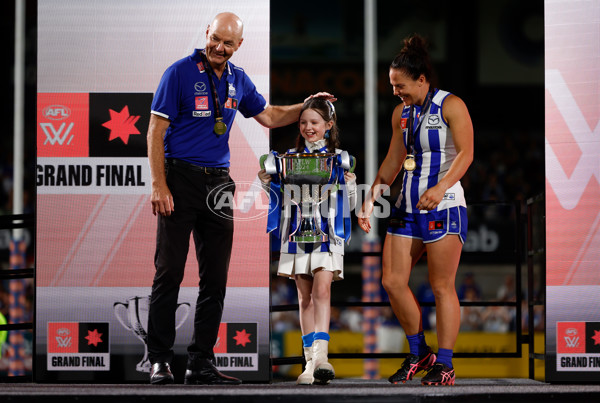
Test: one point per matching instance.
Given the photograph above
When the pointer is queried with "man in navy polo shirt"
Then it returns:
(188, 149)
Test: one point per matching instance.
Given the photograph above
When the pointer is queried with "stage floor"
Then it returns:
(340, 390)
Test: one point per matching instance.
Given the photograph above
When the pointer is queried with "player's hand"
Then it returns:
(431, 198)
(364, 216)
(264, 176)
(162, 200)
(322, 94)
(349, 177)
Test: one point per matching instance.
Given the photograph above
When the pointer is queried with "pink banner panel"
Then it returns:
(572, 142)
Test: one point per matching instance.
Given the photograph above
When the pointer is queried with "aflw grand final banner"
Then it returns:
(572, 35)
(98, 66)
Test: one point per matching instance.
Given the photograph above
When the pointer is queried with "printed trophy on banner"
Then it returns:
(133, 315)
(311, 176)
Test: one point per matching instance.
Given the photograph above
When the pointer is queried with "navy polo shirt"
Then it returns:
(184, 96)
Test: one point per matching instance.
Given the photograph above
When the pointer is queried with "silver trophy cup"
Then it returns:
(311, 172)
(133, 315)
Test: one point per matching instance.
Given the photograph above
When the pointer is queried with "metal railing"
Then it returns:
(536, 248)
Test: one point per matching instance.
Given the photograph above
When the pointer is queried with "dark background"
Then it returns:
(489, 53)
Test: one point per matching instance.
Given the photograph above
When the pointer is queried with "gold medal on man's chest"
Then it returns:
(220, 127)
(409, 163)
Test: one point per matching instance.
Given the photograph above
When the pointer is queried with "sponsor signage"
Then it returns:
(76, 132)
(78, 346)
(572, 144)
(92, 125)
(63, 128)
(237, 347)
(92, 176)
(118, 124)
(578, 346)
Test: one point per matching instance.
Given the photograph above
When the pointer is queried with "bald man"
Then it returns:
(188, 150)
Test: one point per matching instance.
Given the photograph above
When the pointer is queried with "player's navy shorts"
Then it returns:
(429, 227)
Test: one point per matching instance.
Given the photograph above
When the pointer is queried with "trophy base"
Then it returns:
(309, 238)
(144, 365)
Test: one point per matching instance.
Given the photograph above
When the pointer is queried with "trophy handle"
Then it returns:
(262, 160)
(269, 163)
(352, 164)
(117, 308)
(186, 308)
(347, 161)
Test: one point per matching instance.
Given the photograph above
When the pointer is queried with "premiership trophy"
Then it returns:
(133, 315)
(313, 174)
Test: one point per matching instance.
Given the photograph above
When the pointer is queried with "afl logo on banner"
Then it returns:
(76, 346)
(56, 112)
(77, 337)
(92, 125)
(578, 346)
(62, 125)
(570, 337)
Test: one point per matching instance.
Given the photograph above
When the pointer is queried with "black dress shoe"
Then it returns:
(161, 374)
(205, 373)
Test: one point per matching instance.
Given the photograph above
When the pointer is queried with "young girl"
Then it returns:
(315, 265)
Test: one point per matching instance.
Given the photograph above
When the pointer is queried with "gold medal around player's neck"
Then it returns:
(220, 127)
(409, 163)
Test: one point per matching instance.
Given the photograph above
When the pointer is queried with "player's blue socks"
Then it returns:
(413, 343)
(423, 347)
(308, 339)
(417, 344)
(444, 356)
(322, 336)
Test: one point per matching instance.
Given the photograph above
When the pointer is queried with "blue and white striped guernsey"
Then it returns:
(434, 153)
